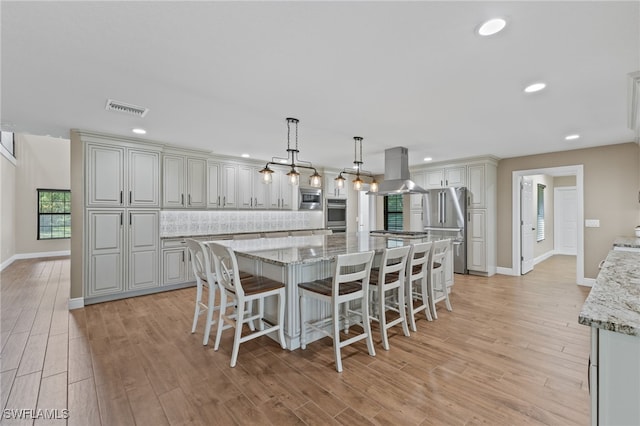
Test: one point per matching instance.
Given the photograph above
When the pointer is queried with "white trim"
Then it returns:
(505, 271)
(578, 171)
(7, 262)
(588, 282)
(6, 154)
(543, 257)
(43, 254)
(76, 303)
(19, 256)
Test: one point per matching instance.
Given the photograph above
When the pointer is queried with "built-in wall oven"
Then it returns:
(337, 214)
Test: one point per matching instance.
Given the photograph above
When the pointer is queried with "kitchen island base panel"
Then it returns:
(291, 275)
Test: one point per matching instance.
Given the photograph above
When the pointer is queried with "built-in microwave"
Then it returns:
(310, 199)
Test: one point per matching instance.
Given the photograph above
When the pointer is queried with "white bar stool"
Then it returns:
(417, 281)
(438, 283)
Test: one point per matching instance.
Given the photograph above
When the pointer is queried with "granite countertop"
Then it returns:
(311, 249)
(631, 242)
(614, 301)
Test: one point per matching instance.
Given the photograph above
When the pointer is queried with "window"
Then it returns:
(540, 232)
(393, 212)
(54, 214)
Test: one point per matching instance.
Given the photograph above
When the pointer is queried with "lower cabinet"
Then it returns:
(123, 251)
(176, 264)
(614, 374)
(477, 241)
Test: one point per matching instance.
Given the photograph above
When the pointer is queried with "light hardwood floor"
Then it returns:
(510, 353)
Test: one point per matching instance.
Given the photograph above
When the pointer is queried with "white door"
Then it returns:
(565, 216)
(527, 230)
(366, 210)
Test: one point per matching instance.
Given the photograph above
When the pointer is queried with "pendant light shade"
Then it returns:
(357, 170)
(292, 161)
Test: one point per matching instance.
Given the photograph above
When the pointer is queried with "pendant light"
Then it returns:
(357, 182)
(292, 161)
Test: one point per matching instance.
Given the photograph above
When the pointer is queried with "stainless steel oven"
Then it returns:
(337, 214)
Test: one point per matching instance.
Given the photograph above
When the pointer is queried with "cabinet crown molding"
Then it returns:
(485, 159)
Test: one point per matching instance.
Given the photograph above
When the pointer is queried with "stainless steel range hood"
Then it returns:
(397, 179)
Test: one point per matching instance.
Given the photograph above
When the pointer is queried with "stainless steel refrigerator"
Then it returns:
(445, 214)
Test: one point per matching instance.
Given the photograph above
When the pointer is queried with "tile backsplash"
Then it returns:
(178, 223)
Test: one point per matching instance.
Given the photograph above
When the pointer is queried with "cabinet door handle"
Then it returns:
(120, 197)
(189, 199)
(447, 182)
(218, 201)
(441, 183)
(224, 201)
(183, 256)
(182, 199)
(129, 219)
(129, 197)
(121, 218)
(256, 203)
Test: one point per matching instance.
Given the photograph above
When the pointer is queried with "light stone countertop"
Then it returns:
(631, 242)
(312, 249)
(614, 301)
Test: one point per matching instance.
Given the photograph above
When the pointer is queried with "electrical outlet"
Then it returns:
(592, 223)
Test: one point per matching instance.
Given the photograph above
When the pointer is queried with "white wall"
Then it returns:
(42, 162)
(7, 211)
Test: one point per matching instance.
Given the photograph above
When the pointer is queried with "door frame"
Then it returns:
(574, 170)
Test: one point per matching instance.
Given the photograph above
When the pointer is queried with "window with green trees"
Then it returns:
(54, 214)
(393, 212)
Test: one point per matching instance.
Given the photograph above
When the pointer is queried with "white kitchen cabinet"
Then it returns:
(476, 186)
(614, 378)
(331, 189)
(252, 193)
(452, 176)
(280, 191)
(106, 248)
(416, 201)
(183, 182)
(477, 240)
(175, 262)
(143, 243)
(123, 251)
(416, 220)
(120, 176)
(222, 180)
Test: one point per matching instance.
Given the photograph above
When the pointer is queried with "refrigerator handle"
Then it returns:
(444, 207)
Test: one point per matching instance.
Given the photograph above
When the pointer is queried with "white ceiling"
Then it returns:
(223, 76)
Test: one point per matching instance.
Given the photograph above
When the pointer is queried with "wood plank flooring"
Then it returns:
(510, 353)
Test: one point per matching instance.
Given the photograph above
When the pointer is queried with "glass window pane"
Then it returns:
(45, 220)
(45, 232)
(67, 220)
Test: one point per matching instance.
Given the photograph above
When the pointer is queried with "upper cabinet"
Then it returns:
(417, 200)
(222, 180)
(331, 190)
(120, 176)
(183, 182)
(445, 177)
(252, 193)
(280, 191)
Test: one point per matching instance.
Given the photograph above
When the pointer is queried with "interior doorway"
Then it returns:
(517, 222)
(366, 210)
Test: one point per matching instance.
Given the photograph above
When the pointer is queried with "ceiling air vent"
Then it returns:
(130, 109)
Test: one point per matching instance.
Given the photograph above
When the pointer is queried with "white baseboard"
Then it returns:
(76, 303)
(33, 256)
(7, 262)
(588, 282)
(43, 254)
(543, 257)
(505, 271)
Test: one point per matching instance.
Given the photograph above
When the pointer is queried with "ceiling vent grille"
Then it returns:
(126, 108)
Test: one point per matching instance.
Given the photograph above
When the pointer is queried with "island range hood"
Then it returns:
(397, 179)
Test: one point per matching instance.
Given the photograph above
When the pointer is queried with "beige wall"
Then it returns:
(77, 216)
(542, 247)
(7, 209)
(611, 180)
(43, 162)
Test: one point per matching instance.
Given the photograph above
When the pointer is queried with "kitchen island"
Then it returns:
(612, 310)
(293, 260)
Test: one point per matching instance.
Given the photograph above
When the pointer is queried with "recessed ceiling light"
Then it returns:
(572, 137)
(139, 131)
(245, 156)
(492, 26)
(428, 158)
(535, 87)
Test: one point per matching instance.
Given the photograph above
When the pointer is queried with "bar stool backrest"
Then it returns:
(226, 267)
